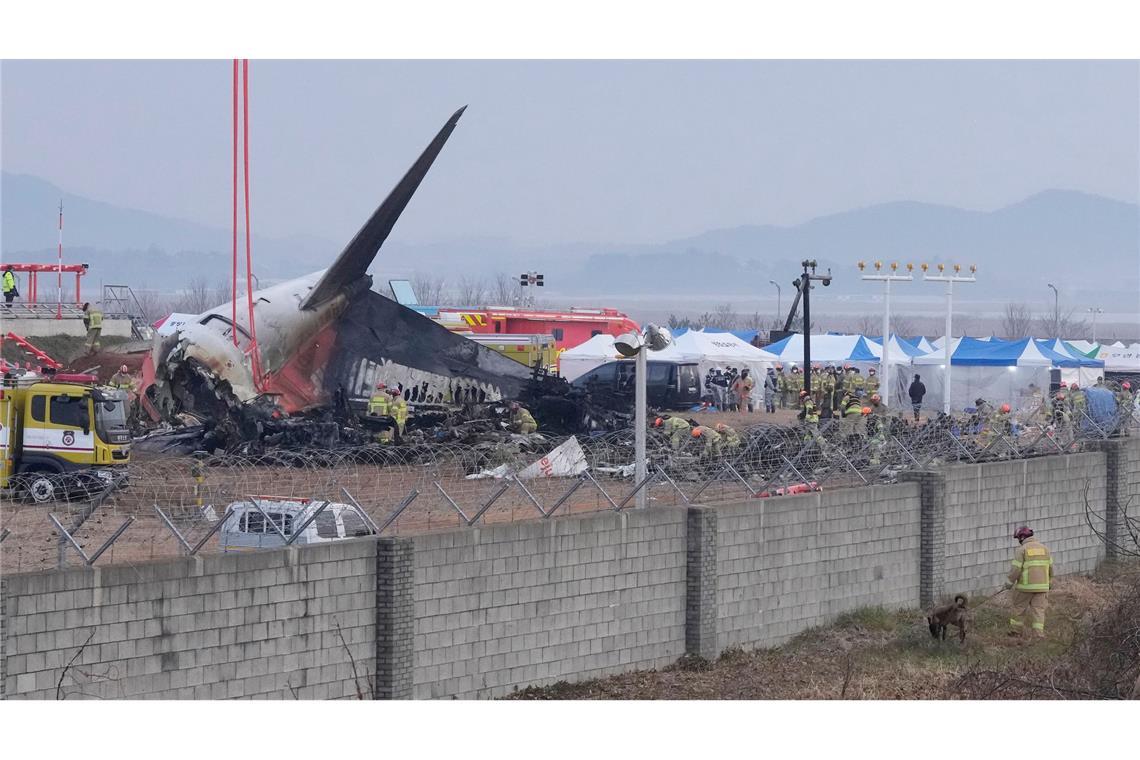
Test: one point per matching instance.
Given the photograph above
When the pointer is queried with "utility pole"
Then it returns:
(638, 345)
(1094, 312)
(779, 301)
(805, 287)
(1056, 312)
(884, 359)
(949, 279)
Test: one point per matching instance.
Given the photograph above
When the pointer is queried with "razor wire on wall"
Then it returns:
(177, 505)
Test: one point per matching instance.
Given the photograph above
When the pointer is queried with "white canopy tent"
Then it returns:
(708, 350)
(711, 350)
(1120, 358)
(829, 349)
(577, 361)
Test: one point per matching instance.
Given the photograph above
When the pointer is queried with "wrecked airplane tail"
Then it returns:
(354, 260)
(378, 340)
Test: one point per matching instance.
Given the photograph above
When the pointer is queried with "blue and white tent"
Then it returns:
(745, 335)
(828, 349)
(1016, 372)
(899, 346)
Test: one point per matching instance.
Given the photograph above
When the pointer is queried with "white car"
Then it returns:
(248, 529)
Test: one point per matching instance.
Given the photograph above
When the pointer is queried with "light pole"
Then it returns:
(1056, 311)
(884, 359)
(949, 279)
(1094, 312)
(805, 288)
(638, 345)
(779, 301)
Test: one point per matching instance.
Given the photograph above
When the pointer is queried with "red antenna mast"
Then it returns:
(233, 281)
(252, 352)
(59, 267)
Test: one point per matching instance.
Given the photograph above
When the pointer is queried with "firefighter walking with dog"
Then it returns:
(1029, 577)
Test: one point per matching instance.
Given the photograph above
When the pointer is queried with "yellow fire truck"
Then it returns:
(62, 436)
(524, 349)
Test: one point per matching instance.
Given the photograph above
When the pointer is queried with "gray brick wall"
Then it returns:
(701, 582)
(478, 612)
(249, 625)
(532, 603)
(3, 632)
(395, 622)
(1128, 493)
(791, 563)
(985, 503)
(932, 548)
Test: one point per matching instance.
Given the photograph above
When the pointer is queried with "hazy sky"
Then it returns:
(574, 151)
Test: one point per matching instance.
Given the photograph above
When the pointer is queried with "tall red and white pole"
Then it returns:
(233, 281)
(59, 266)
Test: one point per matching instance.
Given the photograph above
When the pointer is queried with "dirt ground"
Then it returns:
(869, 654)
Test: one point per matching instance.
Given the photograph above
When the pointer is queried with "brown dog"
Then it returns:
(952, 613)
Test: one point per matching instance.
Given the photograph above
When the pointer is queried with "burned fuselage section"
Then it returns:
(381, 341)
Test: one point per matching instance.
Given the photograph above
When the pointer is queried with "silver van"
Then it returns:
(249, 528)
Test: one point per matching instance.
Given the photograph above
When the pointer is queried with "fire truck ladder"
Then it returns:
(30, 351)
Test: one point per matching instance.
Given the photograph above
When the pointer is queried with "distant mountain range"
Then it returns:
(1088, 242)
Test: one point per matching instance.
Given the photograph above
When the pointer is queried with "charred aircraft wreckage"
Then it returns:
(321, 343)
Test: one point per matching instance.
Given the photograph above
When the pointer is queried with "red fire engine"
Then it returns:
(569, 328)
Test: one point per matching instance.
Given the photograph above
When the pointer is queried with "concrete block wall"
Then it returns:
(475, 613)
(1131, 469)
(984, 504)
(532, 603)
(237, 625)
(787, 564)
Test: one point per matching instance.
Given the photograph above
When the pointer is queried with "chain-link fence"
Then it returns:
(170, 505)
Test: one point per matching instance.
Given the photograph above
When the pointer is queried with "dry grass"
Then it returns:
(871, 653)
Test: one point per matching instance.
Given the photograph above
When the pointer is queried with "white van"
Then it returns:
(247, 528)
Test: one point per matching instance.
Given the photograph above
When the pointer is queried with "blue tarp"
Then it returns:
(1101, 405)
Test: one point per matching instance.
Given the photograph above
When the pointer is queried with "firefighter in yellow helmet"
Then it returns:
(857, 383)
(729, 438)
(1078, 404)
(398, 408)
(871, 385)
(851, 409)
(122, 380)
(380, 405)
(809, 413)
(521, 420)
(1030, 577)
(676, 428)
(378, 401)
